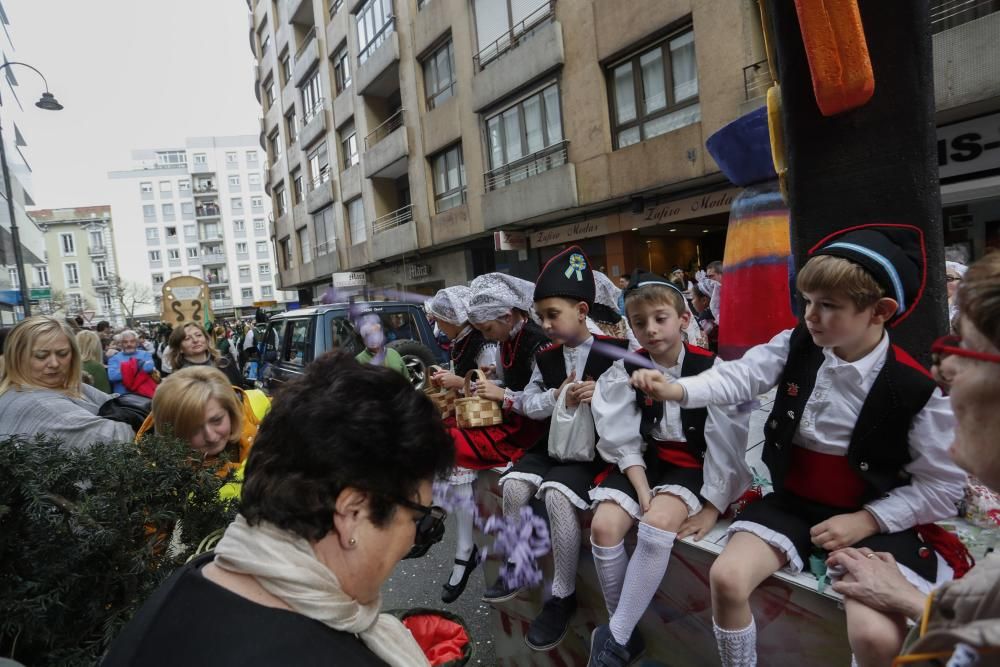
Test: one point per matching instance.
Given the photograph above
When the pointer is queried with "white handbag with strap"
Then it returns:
(571, 433)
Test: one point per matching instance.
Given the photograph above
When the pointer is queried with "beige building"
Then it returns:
(403, 134)
(80, 264)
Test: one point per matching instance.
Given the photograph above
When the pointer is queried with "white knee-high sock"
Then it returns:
(610, 563)
(737, 648)
(564, 529)
(516, 494)
(645, 571)
(463, 531)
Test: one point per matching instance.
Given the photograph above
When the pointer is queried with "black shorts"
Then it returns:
(793, 517)
(686, 484)
(573, 479)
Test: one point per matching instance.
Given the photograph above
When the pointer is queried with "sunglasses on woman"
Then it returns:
(946, 346)
(430, 527)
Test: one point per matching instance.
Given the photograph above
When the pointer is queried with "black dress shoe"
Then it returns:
(500, 591)
(550, 626)
(451, 593)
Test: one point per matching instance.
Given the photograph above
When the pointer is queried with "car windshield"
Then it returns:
(397, 325)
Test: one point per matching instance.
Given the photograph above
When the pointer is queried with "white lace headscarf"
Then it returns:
(607, 293)
(450, 304)
(497, 294)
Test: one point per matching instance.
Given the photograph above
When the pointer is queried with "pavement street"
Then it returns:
(417, 583)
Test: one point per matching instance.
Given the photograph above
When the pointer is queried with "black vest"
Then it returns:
(696, 360)
(879, 446)
(465, 353)
(553, 366)
(522, 347)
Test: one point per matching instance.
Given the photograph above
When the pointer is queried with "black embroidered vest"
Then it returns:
(696, 360)
(517, 353)
(465, 352)
(553, 366)
(879, 446)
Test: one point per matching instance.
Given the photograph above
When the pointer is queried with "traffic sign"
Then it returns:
(40, 293)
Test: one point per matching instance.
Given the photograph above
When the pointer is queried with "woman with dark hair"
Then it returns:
(337, 491)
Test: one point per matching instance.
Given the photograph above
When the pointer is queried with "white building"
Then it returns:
(200, 210)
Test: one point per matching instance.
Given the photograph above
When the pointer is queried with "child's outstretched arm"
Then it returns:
(740, 380)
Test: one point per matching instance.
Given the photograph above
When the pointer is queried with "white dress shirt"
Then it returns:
(617, 417)
(830, 415)
(538, 401)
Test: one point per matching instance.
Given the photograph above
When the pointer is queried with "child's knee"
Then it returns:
(874, 637)
(729, 581)
(667, 512)
(609, 525)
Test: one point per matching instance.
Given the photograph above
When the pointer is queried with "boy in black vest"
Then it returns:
(856, 443)
(564, 294)
(676, 470)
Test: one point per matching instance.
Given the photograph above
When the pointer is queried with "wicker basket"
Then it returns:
(474, 411)
(443, 398)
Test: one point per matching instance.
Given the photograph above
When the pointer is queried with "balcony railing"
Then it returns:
(326, 247)
(946, 14)
(101, 283)
(514, 36)
(377, 40)
(312, 112)
(526, 167)
(757, 79)
(392, 220)
(97, 250)
(393, 123)
(207, 212)
(310, 36)
(210, 188)
(214, 258)
(335, 6)
(221, 304)
(217, 280)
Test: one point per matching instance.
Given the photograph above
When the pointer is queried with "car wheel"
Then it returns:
(417, 359)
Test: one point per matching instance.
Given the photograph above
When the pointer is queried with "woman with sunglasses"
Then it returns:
(337, 491)
(962, 618)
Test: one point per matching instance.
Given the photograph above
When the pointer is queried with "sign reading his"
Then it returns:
(185, 299)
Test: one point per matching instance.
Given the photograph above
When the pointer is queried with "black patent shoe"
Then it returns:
(550, 626)
(450, 593)
(500, 591)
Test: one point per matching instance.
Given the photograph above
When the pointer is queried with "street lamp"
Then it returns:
(49, 103)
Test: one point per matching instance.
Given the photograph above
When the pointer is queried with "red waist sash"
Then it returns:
(677, 453)
(825, 478)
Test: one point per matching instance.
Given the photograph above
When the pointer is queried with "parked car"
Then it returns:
(295, 338)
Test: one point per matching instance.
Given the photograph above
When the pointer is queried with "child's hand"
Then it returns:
(447, 380)
(580, 392)
(489, 391)
(489, 371)
(637, 476)
(844, 530)
(654, 384)
(699, 524)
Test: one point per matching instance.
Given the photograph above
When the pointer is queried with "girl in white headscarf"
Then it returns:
(605, 319)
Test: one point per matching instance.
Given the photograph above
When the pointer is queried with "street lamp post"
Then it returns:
(49, 103)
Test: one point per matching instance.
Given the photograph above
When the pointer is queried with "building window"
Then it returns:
(42, 272)
(305, 252)
(449, 178)
(168, 211)
(254, 179)
(107, 302)
(246, 292)
(236, 204)
(152, 234)
(325, 228)
(154, 255)
(349, 144)
(72, 275)
(261, 247)
(101, 270)
(239, 226)
(375, 24)
(256, 203)
(285, 248)
(167, 159)
(286, 67)
(173, 254)
(264, 269)
(356, 220)
(241, 248)
(190, 233)
(439, 75)
(15, 280)
(265, 43)
(149, 212)
(258, 224)
(192, 253)
(298, 191)
(266, 291)
(251, 158)
(274, 143)
(187, 209)
(97, 240)
(234, 182)
(280, 201)
(145, 187)
(335, 6)
(654, 91)
(75, 303)
(184, 185)
(171, 233)
(342, 68)
(312, 97)
(319, 165)
(157, 279)
(269, 92)
(500, 24)
(292, 127)
(232, 158)
(201, 158)
(525, 139)
(67, 245)
(244, 272)
(165, 188)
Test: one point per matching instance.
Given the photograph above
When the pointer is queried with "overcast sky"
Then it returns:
(131, 74)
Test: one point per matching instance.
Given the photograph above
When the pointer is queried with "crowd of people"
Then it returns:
(612, 403)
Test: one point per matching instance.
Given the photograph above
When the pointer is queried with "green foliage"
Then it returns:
(87, 535)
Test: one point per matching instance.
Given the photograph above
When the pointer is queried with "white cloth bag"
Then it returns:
(571, 432)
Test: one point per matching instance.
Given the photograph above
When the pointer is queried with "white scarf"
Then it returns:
(286, 567)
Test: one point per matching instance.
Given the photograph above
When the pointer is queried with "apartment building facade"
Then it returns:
(78, 276)
(199, 210)
(411, 131)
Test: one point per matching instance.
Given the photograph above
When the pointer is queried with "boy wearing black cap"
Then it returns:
(856, 443)
(564, 293)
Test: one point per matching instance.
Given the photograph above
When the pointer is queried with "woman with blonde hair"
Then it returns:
(198, 405)
(41, 391)
(92, 359)
(190, 346)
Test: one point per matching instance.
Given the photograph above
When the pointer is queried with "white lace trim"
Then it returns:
(461, 476)
(570, 494)
(774, 538)
(534, 480)
(618, 497)
(693, 504)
